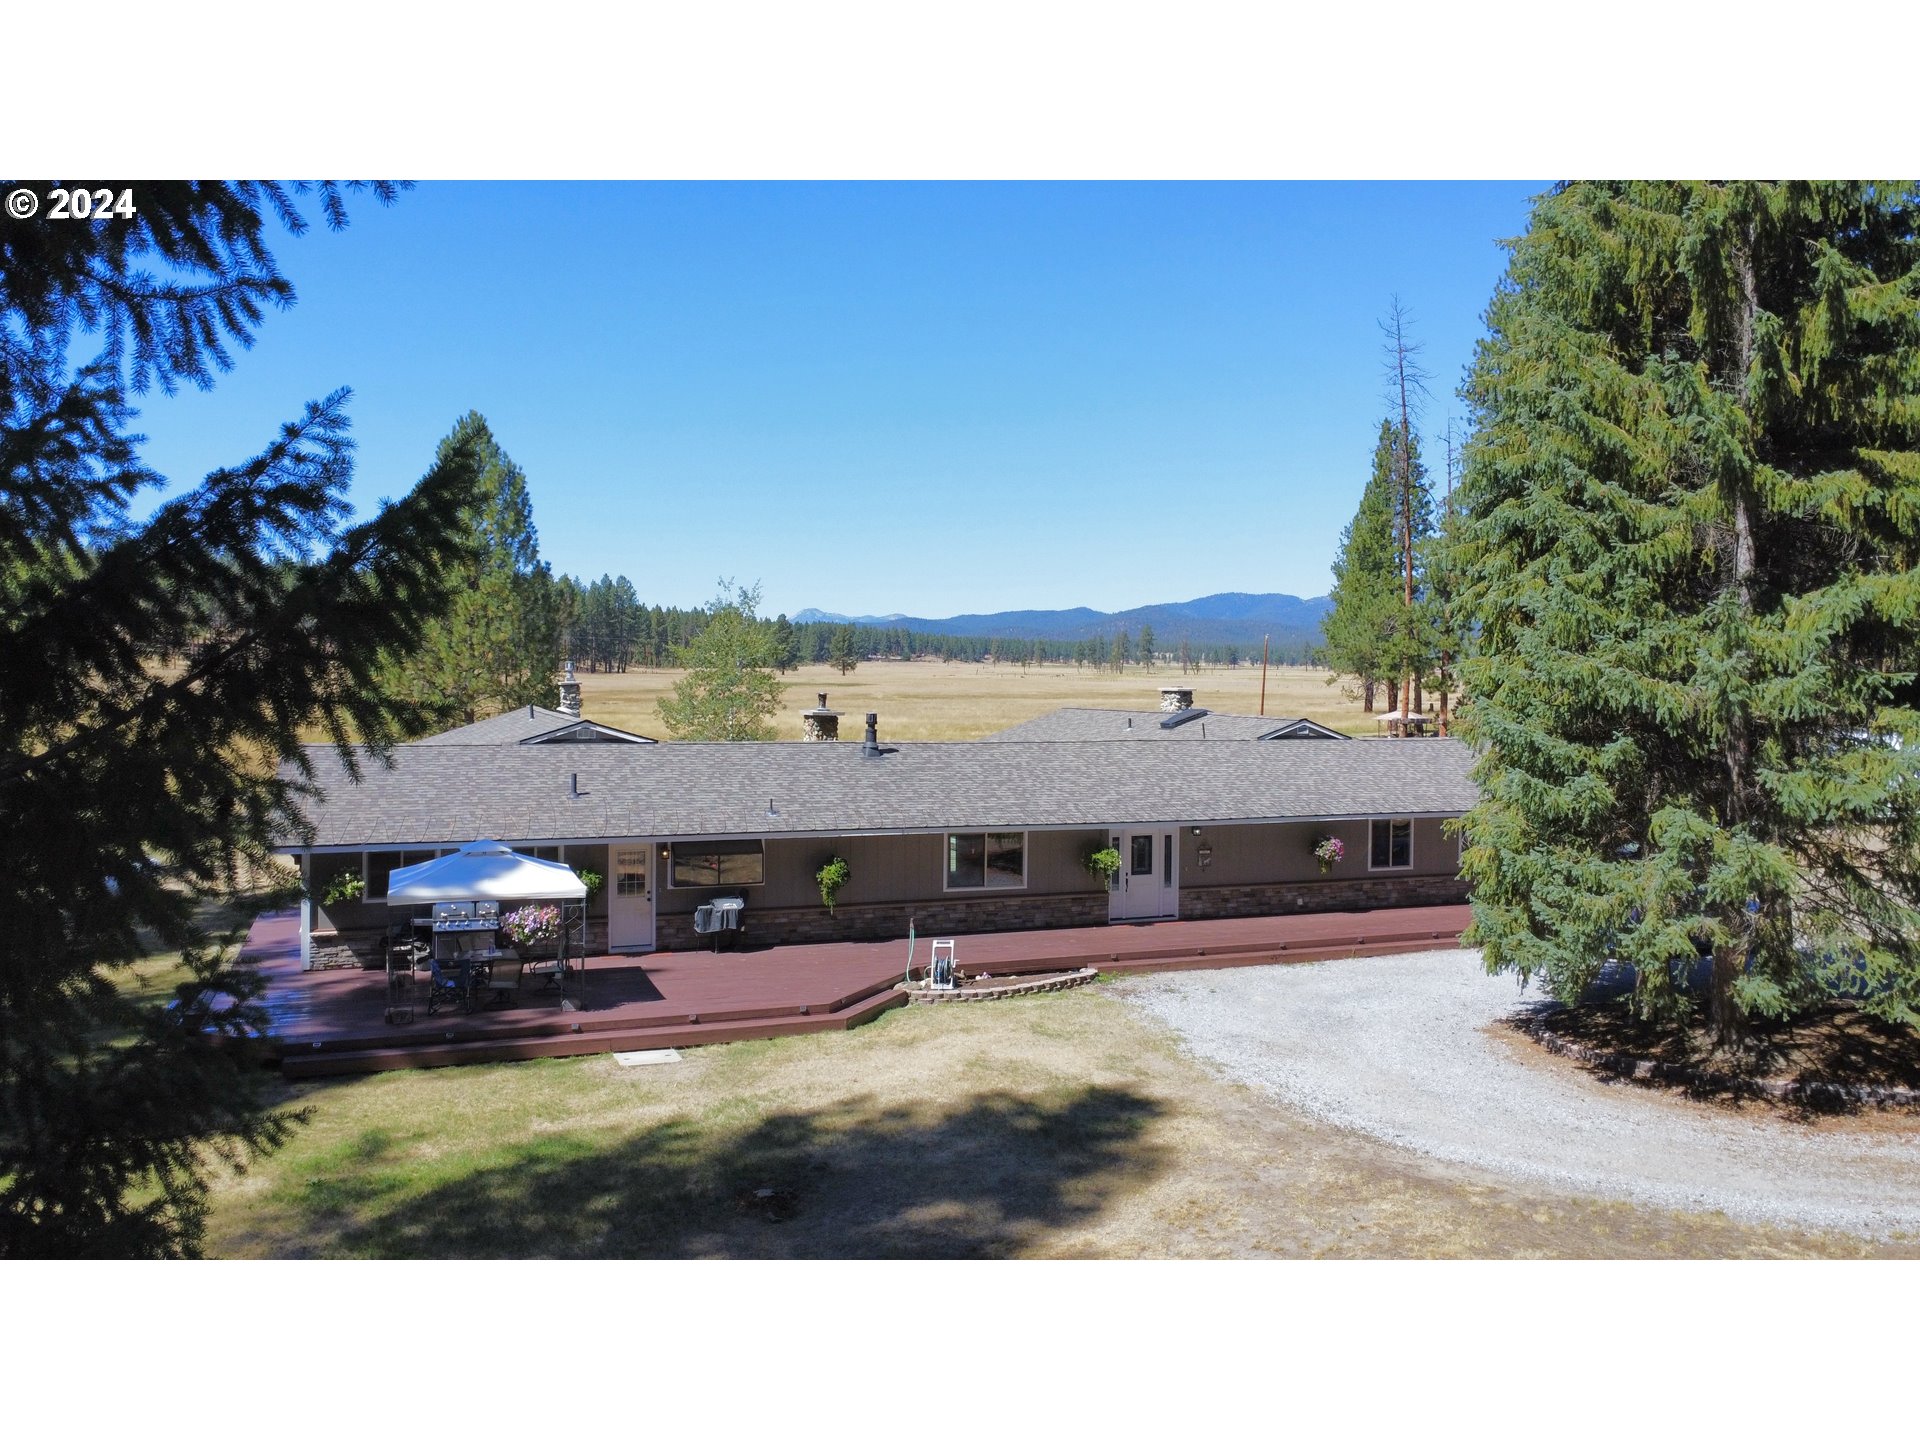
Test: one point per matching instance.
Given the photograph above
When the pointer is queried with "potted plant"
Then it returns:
(531, 926)
(1329, 850)
(592, 879)
(1104, 864)
(831, 876)
(347, 885)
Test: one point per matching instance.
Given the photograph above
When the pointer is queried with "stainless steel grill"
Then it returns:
(459, 917)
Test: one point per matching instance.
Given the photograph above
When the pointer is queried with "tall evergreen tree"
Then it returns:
(730, 690)
(843, 651)
(1689, 537)
(786, 648)
(152, 671)
(499, 645)
(1359, 630)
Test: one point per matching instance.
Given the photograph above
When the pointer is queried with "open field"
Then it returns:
(929, 700)
(1060, 1125)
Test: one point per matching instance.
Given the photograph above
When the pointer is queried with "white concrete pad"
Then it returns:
(647, 1057)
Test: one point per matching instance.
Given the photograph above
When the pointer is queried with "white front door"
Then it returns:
(630, 898)
(1148, 885)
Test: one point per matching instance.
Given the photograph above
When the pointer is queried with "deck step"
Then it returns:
(487, 1048)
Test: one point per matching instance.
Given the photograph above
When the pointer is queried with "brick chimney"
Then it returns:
(570, 694)
(820, 723)
(1175, 698)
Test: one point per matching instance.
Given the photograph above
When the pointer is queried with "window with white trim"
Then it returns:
(1390, 845)
(987, 860)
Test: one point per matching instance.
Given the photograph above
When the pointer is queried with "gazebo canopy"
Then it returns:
(484, 870)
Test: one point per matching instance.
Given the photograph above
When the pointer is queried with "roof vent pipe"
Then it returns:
(871, 745)
(575, 785)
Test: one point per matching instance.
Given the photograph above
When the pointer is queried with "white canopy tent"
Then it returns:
(484, 870)
(488, 870)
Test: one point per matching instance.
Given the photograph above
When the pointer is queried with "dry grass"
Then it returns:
(929, 700)
(1058, 1125)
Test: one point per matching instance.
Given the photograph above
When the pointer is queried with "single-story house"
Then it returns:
(953, 836)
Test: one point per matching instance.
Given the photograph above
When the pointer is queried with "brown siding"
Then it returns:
(805, 925)
(894, 870)
(1274, 854)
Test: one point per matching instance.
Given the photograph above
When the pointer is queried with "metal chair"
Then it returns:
(503, 981)
(449, 980)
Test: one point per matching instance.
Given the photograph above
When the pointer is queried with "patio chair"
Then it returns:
(449, 981)
(503, 981)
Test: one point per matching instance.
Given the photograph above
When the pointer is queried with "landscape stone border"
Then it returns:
(918, 995)
(1640, 1067)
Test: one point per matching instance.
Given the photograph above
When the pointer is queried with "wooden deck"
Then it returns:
(332, 1022)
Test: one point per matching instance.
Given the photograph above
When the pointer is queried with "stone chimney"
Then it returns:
(1175, 698)
(820, 723)
(570, 694)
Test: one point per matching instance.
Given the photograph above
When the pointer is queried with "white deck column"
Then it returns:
(306, 910)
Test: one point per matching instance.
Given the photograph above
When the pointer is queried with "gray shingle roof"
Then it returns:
(507, 729)
(1078, 723)
(522, 726)
(448, 794)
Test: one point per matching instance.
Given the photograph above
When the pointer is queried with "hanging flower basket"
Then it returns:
(531, 926)
(1329, 850)
(830, 877)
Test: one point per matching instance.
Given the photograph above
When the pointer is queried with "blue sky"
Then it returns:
(929, 398)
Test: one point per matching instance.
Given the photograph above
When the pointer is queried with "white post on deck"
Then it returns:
(306, 910)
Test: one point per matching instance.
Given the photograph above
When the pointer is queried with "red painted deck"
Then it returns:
(331, 1021)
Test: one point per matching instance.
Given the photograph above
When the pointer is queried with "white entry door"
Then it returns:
(630, 898)
(1148, 885)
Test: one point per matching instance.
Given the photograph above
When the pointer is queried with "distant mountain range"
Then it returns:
(1233, 618)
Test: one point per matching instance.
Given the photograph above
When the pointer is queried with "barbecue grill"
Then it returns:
(466, 917)
(724, 919)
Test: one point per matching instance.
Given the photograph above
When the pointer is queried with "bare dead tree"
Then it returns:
(1406, 387)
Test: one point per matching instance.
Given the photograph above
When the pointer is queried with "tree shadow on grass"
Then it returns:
(853, 1180)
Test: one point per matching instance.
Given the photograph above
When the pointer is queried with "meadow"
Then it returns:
(958, 700)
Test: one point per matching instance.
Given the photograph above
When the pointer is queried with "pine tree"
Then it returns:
(1359, 630)
(152, 671)
(730, 690)
(786, 649)
(1122, 652)
(1144, 646)
(1689, 531)
(499, 646)
(843, 649)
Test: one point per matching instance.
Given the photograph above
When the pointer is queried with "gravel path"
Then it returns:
(1396, 1047)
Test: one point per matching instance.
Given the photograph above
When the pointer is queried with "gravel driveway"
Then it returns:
(1396, 1047)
